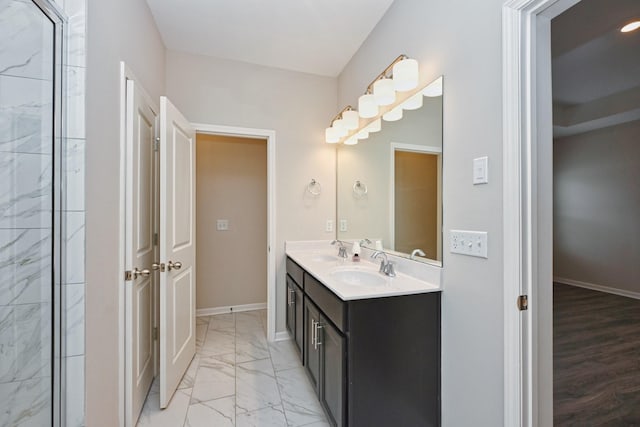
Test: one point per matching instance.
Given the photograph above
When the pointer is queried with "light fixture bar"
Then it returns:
(339, 115)
(384, 74)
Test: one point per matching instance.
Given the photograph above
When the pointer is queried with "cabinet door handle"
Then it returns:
(319, 326)
(313, 333)
(290, 300)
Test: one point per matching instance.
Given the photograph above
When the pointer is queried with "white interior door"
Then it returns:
(177, 248)
(139, 297)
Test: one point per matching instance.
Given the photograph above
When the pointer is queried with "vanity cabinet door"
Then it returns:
(333, 378)
(311, 348)
(299, 316)
(291, 308)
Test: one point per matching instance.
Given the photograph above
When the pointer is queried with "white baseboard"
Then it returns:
(230, 309)
(601, 288)
(283, 336)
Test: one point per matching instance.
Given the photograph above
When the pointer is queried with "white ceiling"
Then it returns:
(312, 36)
(596, 69)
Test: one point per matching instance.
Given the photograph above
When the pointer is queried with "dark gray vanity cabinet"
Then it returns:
(325, 361)
(295, 304)
(373, 362)
(311, 351)
(333, 372)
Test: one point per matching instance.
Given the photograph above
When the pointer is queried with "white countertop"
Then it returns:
(321, 260)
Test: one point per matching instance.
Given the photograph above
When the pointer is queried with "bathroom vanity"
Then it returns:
(370, 344)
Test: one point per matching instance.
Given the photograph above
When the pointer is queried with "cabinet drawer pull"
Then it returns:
(318, 327)
(313, 333)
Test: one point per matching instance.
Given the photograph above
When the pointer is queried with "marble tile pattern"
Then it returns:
(237, 378)
(26, 203)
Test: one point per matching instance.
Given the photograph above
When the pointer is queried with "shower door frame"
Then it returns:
(59, 20)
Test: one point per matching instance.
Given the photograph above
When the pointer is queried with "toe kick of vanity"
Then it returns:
(372, 361)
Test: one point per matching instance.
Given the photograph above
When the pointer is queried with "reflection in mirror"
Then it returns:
(389, 186)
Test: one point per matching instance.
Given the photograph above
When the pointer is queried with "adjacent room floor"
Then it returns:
(238, 379)
(596, 361)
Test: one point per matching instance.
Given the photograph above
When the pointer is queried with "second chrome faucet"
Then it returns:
(386, 267)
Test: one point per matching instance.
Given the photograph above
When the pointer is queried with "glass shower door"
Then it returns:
(30, 129)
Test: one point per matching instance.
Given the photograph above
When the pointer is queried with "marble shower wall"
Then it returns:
(26, 239)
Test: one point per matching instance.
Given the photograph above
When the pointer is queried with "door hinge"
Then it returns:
(156, 144)
(523, 302)
(155, 239)
(155, 333)
(128, 276)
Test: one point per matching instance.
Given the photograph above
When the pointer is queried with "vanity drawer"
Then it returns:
(296, 272)
(332, 306)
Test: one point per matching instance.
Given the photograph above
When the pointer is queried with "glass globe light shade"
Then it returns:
(434, 89)
(363, 134)
(393, 115)
(384, 92)
(351, 119)
(367, 106)
(405, 75)
(339, 127)
(374, 126)
(331, 135)
(414, 102)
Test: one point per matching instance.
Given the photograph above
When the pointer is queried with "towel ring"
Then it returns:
(314, 188)
(359, 189)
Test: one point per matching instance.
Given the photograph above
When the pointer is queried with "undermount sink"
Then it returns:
(323, 258)
(358, 277)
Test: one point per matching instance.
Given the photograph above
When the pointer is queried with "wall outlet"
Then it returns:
(472, 243)
(222, 224)
(328, 226)
(343, 225)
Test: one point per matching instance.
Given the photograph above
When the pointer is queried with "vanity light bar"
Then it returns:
(399, 76)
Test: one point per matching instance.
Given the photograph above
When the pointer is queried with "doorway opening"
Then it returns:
(596, 204)
(231, 224)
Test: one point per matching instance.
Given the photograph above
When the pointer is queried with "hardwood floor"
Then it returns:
(596, 360)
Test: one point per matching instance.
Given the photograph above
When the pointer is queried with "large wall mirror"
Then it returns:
(389, 186)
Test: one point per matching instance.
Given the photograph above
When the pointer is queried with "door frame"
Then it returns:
(527, 209)
(412, 148)
(270, 136)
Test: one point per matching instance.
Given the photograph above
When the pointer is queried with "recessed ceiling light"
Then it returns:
(630, 27)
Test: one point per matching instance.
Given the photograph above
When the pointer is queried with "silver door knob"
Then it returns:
(137, 273)
(174, 265)
(157, 266)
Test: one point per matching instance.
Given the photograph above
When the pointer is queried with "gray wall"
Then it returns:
(597, 207)
(460, 39)
(117, 30)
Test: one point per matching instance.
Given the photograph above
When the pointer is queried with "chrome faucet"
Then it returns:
(386, 267)
(418, 252)
(342, 250)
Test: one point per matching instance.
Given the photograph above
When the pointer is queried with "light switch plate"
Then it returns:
(343, 225)
(481, 170)
(222, 224)
(472, 243)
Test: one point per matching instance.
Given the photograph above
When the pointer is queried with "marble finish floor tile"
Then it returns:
(237, 378)
(298, 398)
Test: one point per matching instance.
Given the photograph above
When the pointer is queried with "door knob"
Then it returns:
(158, 266)
(137, 273)
(174, 265)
